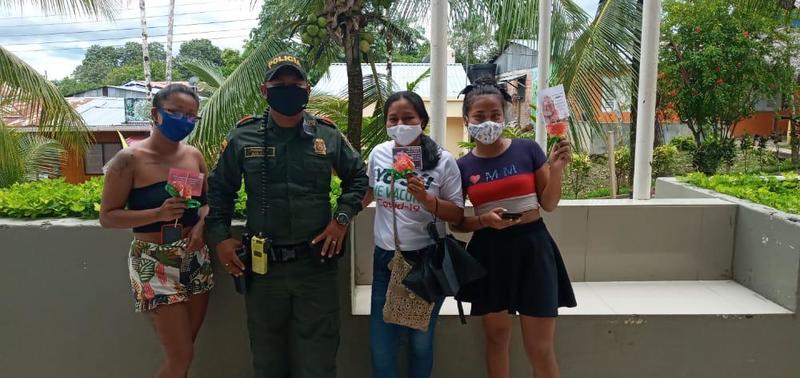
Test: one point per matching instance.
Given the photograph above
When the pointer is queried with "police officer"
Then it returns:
(287, 158)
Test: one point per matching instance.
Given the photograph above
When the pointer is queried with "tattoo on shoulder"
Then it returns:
(121, 162)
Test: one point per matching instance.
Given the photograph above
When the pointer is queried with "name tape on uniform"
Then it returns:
(257, 152)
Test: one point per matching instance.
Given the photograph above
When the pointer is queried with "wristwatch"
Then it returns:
(342, 218)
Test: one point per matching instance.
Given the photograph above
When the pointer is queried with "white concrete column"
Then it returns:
(543, 65)
(439, 70)
(646, 119)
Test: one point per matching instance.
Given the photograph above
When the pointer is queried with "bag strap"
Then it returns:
(436, 210)
(461, 312)
(394, 218)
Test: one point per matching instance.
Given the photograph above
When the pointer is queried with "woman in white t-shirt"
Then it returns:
(416, 197)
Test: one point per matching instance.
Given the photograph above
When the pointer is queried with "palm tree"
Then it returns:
(26, 156)
(342, 36)
(210, 76)
(331, 105)
(584, 52)
(38, 100)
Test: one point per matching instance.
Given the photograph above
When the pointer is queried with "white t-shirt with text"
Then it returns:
(444, 181)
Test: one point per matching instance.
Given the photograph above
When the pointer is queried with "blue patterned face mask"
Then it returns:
(486, 132)
(175, 127)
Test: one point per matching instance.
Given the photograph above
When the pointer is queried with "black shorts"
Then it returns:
(526, 274)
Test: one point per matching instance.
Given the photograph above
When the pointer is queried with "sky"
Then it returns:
(56, 45)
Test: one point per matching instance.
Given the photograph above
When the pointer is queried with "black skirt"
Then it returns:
(526, 274)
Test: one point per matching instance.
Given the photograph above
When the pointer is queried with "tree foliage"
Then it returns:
(720, 58)
(472, 41)
(108, 65)
(198, 49)
(100, 61)
(230, 60)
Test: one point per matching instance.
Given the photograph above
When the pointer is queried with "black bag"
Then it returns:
(442, 269)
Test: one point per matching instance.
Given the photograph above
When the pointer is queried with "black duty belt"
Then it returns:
(283, 254)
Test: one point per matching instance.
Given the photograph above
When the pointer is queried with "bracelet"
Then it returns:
(480, 222)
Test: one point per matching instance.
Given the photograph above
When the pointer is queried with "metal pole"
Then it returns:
(545, 11)
(439, 70)
(170, 28)
(612, 163)
(646, 118)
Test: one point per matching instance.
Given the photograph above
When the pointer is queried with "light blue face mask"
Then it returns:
(175, 128)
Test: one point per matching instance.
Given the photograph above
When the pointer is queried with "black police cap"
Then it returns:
(284, 61)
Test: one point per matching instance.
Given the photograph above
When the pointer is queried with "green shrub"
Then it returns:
(746, 144)
(597, 193)
(713, 153)
(783, 195)
(58, 199)
(578, 173)
(52, 199)
(666, 160)
(622, 165)
(684, 143)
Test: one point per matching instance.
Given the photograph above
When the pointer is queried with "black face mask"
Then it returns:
(287, 99)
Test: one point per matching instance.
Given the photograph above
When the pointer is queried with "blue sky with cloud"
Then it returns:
(56, 45)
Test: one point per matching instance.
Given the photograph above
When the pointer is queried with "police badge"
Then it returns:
(319, 147)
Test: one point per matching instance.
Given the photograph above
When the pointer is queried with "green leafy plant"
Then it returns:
(712, 153)
(684, 143)
(55, 198)
(781, 194)
(622, 163)
(27, 156)
(761, 144)
(746, 145)
(51, 199)
(665, 161)
(577, 173)
(728, 153)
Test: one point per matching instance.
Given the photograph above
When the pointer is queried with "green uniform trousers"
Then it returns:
(293, 318)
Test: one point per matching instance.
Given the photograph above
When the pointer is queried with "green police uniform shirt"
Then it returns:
(287, 178)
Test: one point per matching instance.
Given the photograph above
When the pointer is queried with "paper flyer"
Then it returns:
(554, 110)
(413, 152)
(188, 183)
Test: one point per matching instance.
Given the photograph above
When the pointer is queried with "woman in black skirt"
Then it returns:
(508, 181)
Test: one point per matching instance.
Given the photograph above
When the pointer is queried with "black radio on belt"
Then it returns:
(242, 283)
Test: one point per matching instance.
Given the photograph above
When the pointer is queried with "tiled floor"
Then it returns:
(641, 298)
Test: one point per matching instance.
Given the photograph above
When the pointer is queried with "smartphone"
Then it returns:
(511, 216)
(171, 233)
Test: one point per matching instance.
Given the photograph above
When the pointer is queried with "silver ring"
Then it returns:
(227, 264)
(333, 241)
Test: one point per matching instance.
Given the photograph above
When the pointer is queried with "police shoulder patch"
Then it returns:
(326, 121)
(246, 120)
